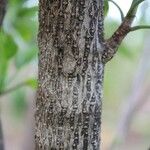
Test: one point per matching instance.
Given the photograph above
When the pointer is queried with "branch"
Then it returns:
(111, 45)
(13, 88)
(139, 27)
(31, 82)
(121, 12)
(134, 6)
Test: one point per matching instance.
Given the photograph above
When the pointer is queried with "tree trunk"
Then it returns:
(71, 68)
(69, 98)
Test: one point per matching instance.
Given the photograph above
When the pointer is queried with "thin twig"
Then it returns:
(139, 27)
(121, 12)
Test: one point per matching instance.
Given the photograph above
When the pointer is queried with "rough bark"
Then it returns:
(69, 100)
(72, 56)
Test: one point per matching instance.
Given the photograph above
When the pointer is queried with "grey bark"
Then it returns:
(69, 97)
(72, 56)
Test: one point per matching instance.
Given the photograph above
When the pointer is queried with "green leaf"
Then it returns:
(25, 29)
(25, 56)
(8, 45)
(17, 2)
(3, 72)
(106, 7)
(31, 83)
(18, 103)
(8, 49)
(27, 11)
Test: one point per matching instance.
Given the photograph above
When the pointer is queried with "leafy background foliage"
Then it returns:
(18, 47)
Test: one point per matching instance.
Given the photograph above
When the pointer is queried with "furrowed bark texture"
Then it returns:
(69, 98)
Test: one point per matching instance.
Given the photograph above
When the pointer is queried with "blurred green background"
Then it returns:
(126, 105)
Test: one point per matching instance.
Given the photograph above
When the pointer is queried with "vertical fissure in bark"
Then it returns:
(69, 97)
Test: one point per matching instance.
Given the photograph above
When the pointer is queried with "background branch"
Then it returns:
(135, 101)
(12, 88)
